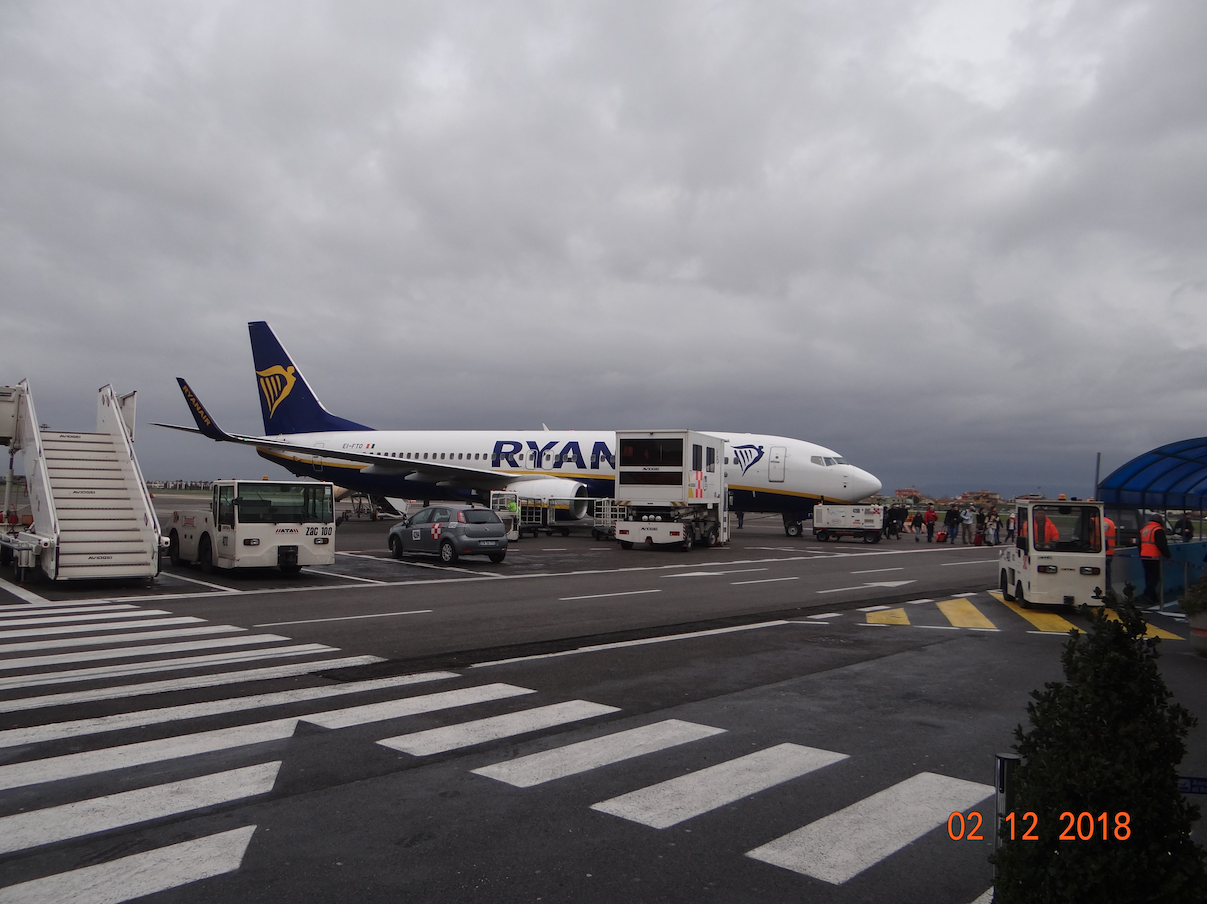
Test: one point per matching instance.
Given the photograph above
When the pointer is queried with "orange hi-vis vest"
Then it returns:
(1148, 541)
(1110, 535)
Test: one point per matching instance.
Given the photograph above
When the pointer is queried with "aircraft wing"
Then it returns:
(440, 473)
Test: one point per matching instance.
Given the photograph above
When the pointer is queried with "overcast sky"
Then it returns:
(964, 244)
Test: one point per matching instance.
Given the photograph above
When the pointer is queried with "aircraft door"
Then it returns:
(776, 463)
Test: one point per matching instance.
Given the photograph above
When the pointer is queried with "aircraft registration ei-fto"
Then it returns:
(774, 474)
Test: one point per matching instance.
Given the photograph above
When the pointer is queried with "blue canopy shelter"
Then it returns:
(1170, 479)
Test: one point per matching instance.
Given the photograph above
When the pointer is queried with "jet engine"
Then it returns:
(569, 496)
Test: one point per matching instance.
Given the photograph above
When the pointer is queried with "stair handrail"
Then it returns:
(37, 477)
(109, 420)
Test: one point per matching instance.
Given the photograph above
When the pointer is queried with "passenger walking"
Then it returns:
(919, 526)
(929, 518)
(1153, 548)
(1184, 528)
(951, 523)
(1010, 524)
(993, 525)
(966, 521)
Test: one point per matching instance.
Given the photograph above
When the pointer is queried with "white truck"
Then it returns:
(833, 522)
(673, 488)
(1058, 555)
(285, 524)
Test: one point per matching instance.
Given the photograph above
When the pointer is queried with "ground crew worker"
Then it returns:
(1153, 548)
(1108, 538)
(1046, 533)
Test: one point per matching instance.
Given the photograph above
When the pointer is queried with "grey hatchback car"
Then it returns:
(450, 531)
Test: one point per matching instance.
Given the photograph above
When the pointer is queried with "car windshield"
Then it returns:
(1067, 528)
(276, 503)
(480, 516)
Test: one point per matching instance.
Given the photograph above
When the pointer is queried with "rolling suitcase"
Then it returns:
(979, 539)
(941, 536)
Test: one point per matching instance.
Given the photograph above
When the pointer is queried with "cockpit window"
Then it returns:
(817, 460)
(829, 461)
(842, 461)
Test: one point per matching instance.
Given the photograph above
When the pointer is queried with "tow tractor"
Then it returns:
(1057, 557)
(257, 524)
(673, 488)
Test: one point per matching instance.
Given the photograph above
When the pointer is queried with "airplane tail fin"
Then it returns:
(286, 401)
(206, 425)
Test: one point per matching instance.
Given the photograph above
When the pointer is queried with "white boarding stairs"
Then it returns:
(92, 514)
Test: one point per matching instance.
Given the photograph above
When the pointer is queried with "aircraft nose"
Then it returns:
(864, 484)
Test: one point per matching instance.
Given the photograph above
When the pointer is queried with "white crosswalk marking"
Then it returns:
(672, 802)
(179, 684)
(74, 765)
(411, 706)
(15, 737)
(467, 734)
(6, 633)
(29, 615)
(140, 874)
(842, 845)
(538, 768)
(160, 665)
(61, 643)
(100, 814)
(152, 649)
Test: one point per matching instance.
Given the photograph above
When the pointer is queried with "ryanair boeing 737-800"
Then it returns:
(766, 473)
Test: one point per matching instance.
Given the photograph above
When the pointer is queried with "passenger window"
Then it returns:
(697, 458)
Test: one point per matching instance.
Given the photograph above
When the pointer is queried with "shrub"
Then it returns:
(1105, 740)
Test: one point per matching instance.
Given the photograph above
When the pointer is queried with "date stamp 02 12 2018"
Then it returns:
(1080, 827)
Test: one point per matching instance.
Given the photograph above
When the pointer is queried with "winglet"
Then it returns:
(205, 422)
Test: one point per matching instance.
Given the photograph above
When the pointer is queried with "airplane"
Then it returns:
(773, 474)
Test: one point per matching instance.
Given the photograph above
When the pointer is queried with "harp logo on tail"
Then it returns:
(276, 383)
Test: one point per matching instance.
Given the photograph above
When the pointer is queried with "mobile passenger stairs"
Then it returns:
(89, 512)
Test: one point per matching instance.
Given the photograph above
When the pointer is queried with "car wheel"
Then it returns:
(1019, 597)
(687, 543)
(793, 529)
(497, 557)
(448, 553)
(174, 548)
(565, 531)
(205, 554)
(396, 546)
(1004, 584)
(626, 544)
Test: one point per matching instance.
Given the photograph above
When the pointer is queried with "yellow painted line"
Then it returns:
(1151, 632)
(963, 614)
(1045, 621)
(888, 617)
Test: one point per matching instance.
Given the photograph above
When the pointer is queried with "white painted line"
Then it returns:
(970, 562)
(152, 649)
(14, 737)
(667, 638)
(595, 596)
(60, 643)
(873, 608)
(138, 875)
(842, 845)
(181, 577)
(797, 621)
(878, 570)
(709, 574)
(349, 577)
(104, 626)
(75, 820)
(91, 762)
(762, 581)
(311, 621)
(410, 706)
(467, 734)
(33, 615)
(986, 898)
(160, 665)
(548, 765)
(873, 625)
(990, 630)
(917, 602)
(827, 615)
(672, 802)
(965, 593)
(177, 684)
(1051, 633)
(21, 593)
(938, 627)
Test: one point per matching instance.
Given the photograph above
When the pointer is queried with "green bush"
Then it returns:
(1195, 600)
(1105, 740)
